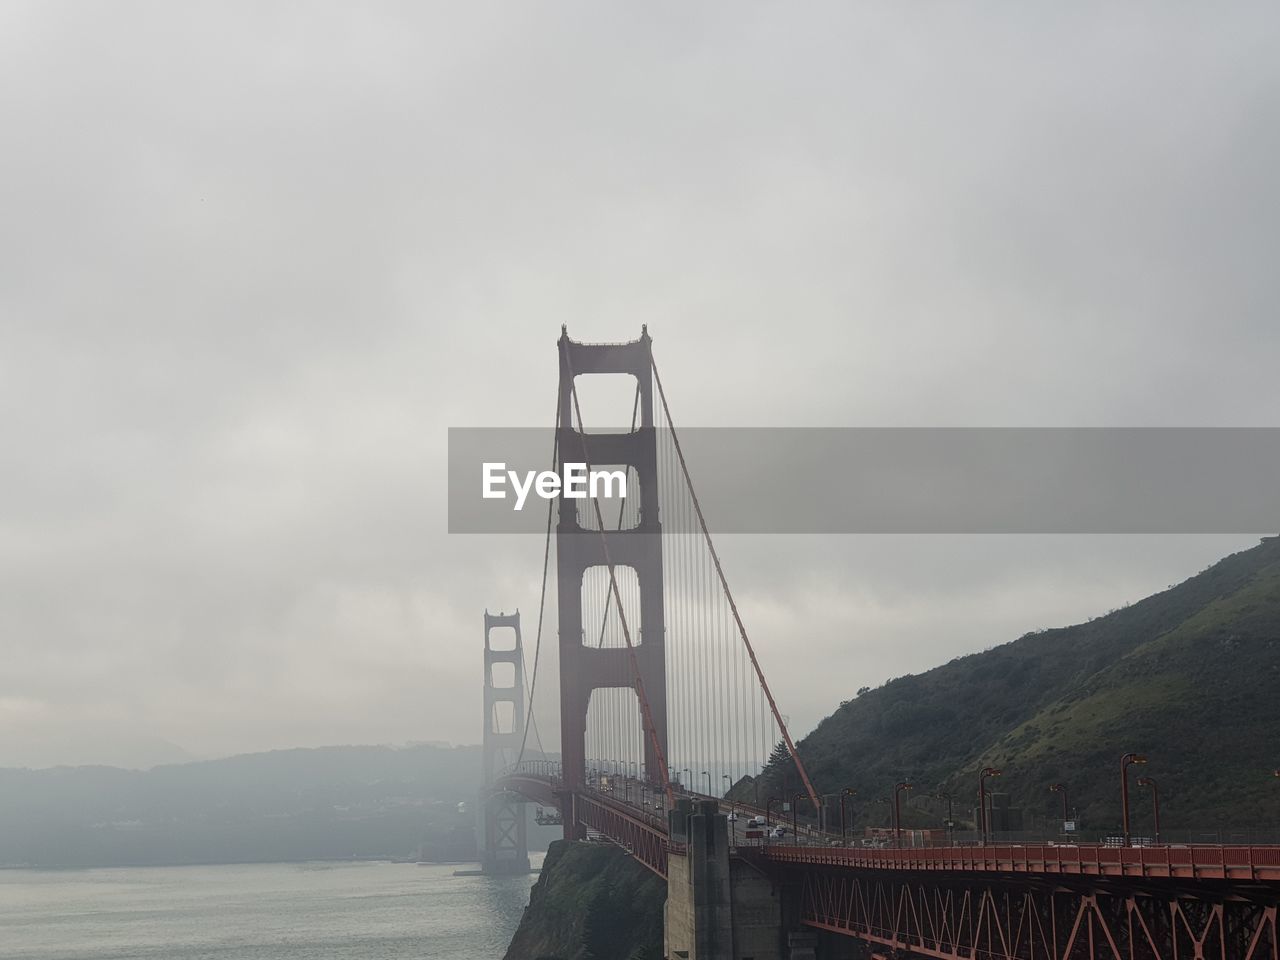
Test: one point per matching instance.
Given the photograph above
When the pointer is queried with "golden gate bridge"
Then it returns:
(665, 710)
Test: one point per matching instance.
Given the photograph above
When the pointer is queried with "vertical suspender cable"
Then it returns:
(724, 583)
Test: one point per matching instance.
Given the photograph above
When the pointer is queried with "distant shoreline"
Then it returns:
(16, 867)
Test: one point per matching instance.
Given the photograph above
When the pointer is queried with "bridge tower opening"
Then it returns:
(635, 546)
(504, 825)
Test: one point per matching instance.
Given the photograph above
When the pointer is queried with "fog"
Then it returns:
(258, 259)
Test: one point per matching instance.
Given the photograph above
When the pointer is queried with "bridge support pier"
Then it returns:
(719, 907)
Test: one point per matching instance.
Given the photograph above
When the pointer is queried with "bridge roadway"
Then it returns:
(1007, 901)
(629, 813)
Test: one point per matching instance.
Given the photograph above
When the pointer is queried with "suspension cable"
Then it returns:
(532, 684)
(724, 583)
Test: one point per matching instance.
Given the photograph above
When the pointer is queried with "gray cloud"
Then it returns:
(257, 260)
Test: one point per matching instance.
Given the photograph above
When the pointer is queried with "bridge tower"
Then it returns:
(585, 668)
(505, 848)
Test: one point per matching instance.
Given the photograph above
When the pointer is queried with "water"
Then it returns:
(284, 911)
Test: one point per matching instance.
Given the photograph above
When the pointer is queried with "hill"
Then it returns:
(331, 802)
(1189, 677)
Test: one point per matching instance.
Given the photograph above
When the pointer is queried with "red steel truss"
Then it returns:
(984, 918)
(639, 836)
(641, 833)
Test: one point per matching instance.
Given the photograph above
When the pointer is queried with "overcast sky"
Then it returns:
(256, 258)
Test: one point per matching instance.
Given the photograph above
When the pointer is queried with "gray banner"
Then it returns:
(919, 480)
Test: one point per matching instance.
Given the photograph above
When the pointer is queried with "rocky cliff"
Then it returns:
(591, 902)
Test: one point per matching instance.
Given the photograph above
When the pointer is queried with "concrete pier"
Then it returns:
(719, 905)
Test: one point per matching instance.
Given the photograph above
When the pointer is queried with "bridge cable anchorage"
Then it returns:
(724, 583)
(659, 753)
(530, 719)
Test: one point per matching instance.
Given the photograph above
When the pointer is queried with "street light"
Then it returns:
(708, 776)
(687, 777)
(1155, 799)
(985, 827)
(725, 791)
(844, 795)
(1125, 761)
(951, 824)
(824, 818)
(897, 809)
(768, 807)
(1062, 789)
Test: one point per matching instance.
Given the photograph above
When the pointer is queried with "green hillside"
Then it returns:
(1189, 677)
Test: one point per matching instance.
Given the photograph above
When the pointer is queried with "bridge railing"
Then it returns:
(1253, 863)
(548, 769)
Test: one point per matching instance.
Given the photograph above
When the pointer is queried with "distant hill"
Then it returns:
(331, 802)
(1190, 677)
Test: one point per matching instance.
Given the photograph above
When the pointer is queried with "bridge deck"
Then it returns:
(643, 830)
(1247, 863)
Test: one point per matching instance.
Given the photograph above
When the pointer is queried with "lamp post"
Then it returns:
(984, 826)
(845, 794)
(687, 777)
(708, 776)
(824, 818)
(1062, 789)
(888, 811)
(897, 809)
(1155, 800)
(951, 824)
(1125, 762)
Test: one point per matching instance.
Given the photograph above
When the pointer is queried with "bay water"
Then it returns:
(282, 911)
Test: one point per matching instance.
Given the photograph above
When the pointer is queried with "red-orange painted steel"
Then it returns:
(955, 918)
(642, 833)
(1191, 862)
(1036, 902)
(637, 834)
